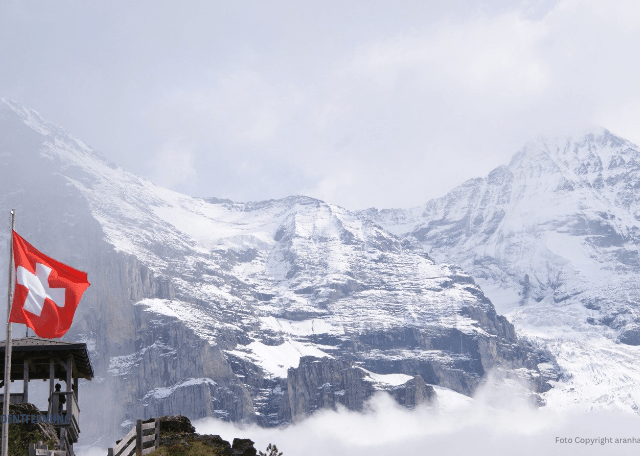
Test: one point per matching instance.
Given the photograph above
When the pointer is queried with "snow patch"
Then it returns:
(164, 392)
(159, 306)
(451, 401)
(387, 379)
(300, 328)
(121, 365)
(277, 359)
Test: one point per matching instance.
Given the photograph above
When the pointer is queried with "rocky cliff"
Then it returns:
(552, 238)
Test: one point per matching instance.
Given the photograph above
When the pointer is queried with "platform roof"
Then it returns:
(39, 352)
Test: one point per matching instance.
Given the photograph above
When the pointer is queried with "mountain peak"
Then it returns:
(595, 150)
(553, 239)
(60, 142)
(597, 134)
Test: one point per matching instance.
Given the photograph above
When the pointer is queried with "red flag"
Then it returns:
(47, 292)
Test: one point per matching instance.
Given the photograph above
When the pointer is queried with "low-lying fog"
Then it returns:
(498, 421)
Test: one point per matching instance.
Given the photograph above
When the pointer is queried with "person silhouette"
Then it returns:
(61, 399)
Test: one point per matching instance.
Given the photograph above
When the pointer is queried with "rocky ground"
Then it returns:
(178, 438)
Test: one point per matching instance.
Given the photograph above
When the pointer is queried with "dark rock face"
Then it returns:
(175, 425)
(414, 392)
(630, 336)
(243, 447)
(324, 383)
(178, 435)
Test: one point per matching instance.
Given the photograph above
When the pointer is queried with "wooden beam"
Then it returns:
(69, 373)
(32, 366)
(139, 438)
(63, 440)
(67, 366)
(157, 440)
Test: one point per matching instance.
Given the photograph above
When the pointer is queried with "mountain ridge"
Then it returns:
(552, 239)
(262, 311)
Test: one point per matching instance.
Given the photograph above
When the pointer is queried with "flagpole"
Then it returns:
(7, 348)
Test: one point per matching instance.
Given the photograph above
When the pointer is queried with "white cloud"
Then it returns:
(235, 106)
(173, 166)
(429, 108)
(497, 423)
(381, 105)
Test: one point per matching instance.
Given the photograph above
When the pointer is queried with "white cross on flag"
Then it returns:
(47, 292)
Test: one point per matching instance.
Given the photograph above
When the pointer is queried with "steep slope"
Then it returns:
(246, 311)
(40, 164)
(552, 239)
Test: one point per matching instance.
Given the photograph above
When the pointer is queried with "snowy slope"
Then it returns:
(553, 239)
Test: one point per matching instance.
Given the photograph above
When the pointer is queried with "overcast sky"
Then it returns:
(360, 103)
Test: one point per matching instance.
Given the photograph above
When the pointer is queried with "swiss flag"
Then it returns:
(47, 292)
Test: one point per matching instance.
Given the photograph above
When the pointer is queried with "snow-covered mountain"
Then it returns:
(553, 239)
(260, 311)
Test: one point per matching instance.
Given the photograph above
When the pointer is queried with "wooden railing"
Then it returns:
(14, 398)
(41, 449)
(70, 410)
(137, 438)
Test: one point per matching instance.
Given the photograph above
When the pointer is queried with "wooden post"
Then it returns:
(67, 405)
(55, 404)
(52, 373)
(75, 386)
(63, 439)
(139, 438)
(69, 373)
(157, 445)
(110, 452)
(25, 389)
